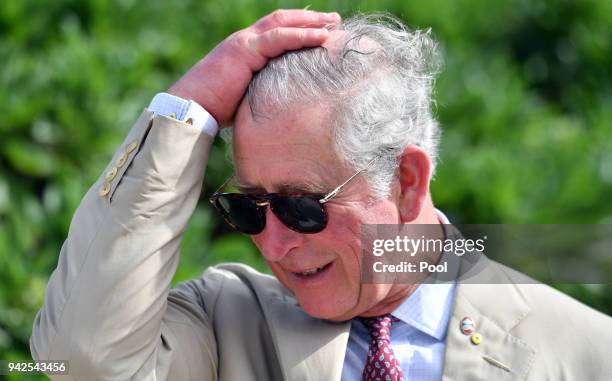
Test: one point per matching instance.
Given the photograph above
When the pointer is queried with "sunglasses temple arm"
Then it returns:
(224, 184)
(333, 193)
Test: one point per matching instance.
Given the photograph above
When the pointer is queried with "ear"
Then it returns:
(414, 172)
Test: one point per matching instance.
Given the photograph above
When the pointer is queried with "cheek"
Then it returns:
(343, 238)
(257, 241)
(343, 231)
(344, 234)
(345, 223)
(280, 274)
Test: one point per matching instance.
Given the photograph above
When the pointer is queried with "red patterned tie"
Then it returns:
(381, 364)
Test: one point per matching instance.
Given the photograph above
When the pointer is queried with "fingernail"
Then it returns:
(334, 16)
(322, 32)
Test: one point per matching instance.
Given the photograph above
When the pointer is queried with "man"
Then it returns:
(326, 140)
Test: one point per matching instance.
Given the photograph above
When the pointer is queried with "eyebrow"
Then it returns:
(243, 186)
(299, 187)
(304, 187)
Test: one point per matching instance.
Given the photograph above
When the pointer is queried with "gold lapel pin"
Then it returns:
(476, 339)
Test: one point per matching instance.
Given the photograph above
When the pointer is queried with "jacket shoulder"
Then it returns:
(569, 337)
(564, 314)
(236, 284)
(241, 276)
(553, 305)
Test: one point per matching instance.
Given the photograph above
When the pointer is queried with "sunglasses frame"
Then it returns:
(265, 199)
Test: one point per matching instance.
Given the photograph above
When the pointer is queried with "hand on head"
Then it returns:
(219, 80)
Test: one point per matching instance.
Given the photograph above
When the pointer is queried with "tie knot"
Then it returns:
(379, 327)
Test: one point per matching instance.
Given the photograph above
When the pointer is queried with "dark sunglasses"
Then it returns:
(302, 212)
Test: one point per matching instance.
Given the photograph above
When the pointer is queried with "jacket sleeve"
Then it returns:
(107, 307)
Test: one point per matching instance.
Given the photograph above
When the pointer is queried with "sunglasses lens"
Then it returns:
(242, 213)
(304, 213)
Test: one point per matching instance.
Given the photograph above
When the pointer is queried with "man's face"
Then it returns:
(293, 152)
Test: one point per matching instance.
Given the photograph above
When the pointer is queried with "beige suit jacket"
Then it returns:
(109, 309)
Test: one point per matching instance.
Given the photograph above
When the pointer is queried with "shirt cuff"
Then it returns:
(183, 110)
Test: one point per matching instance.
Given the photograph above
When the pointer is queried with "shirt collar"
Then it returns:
(442, 217)
(429, 308)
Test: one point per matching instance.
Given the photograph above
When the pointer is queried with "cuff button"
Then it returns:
(110, 175)
(104, 189)
(121, 159)
(132, 146)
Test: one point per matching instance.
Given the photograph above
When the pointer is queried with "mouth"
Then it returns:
(313, 272)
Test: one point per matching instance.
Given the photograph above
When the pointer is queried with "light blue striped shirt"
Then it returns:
(418, 339)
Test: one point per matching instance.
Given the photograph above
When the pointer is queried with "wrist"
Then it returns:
(181, 92)
(184, 110)
(198, 94)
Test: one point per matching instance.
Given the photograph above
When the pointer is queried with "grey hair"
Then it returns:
(379, 87)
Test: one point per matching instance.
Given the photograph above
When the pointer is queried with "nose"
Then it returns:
(277, 240)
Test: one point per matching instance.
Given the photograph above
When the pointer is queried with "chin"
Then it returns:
(321, 302)
(325, 314)
(324, 308)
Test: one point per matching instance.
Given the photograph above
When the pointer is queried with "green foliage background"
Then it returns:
(524, 100)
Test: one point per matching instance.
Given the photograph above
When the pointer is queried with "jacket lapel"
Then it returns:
(495, 306)
(308, 348)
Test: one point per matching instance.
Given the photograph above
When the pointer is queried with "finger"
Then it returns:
(296, 18)
(279, 40)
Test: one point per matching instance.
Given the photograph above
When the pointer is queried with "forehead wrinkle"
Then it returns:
(289, 146)
(295, 153)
